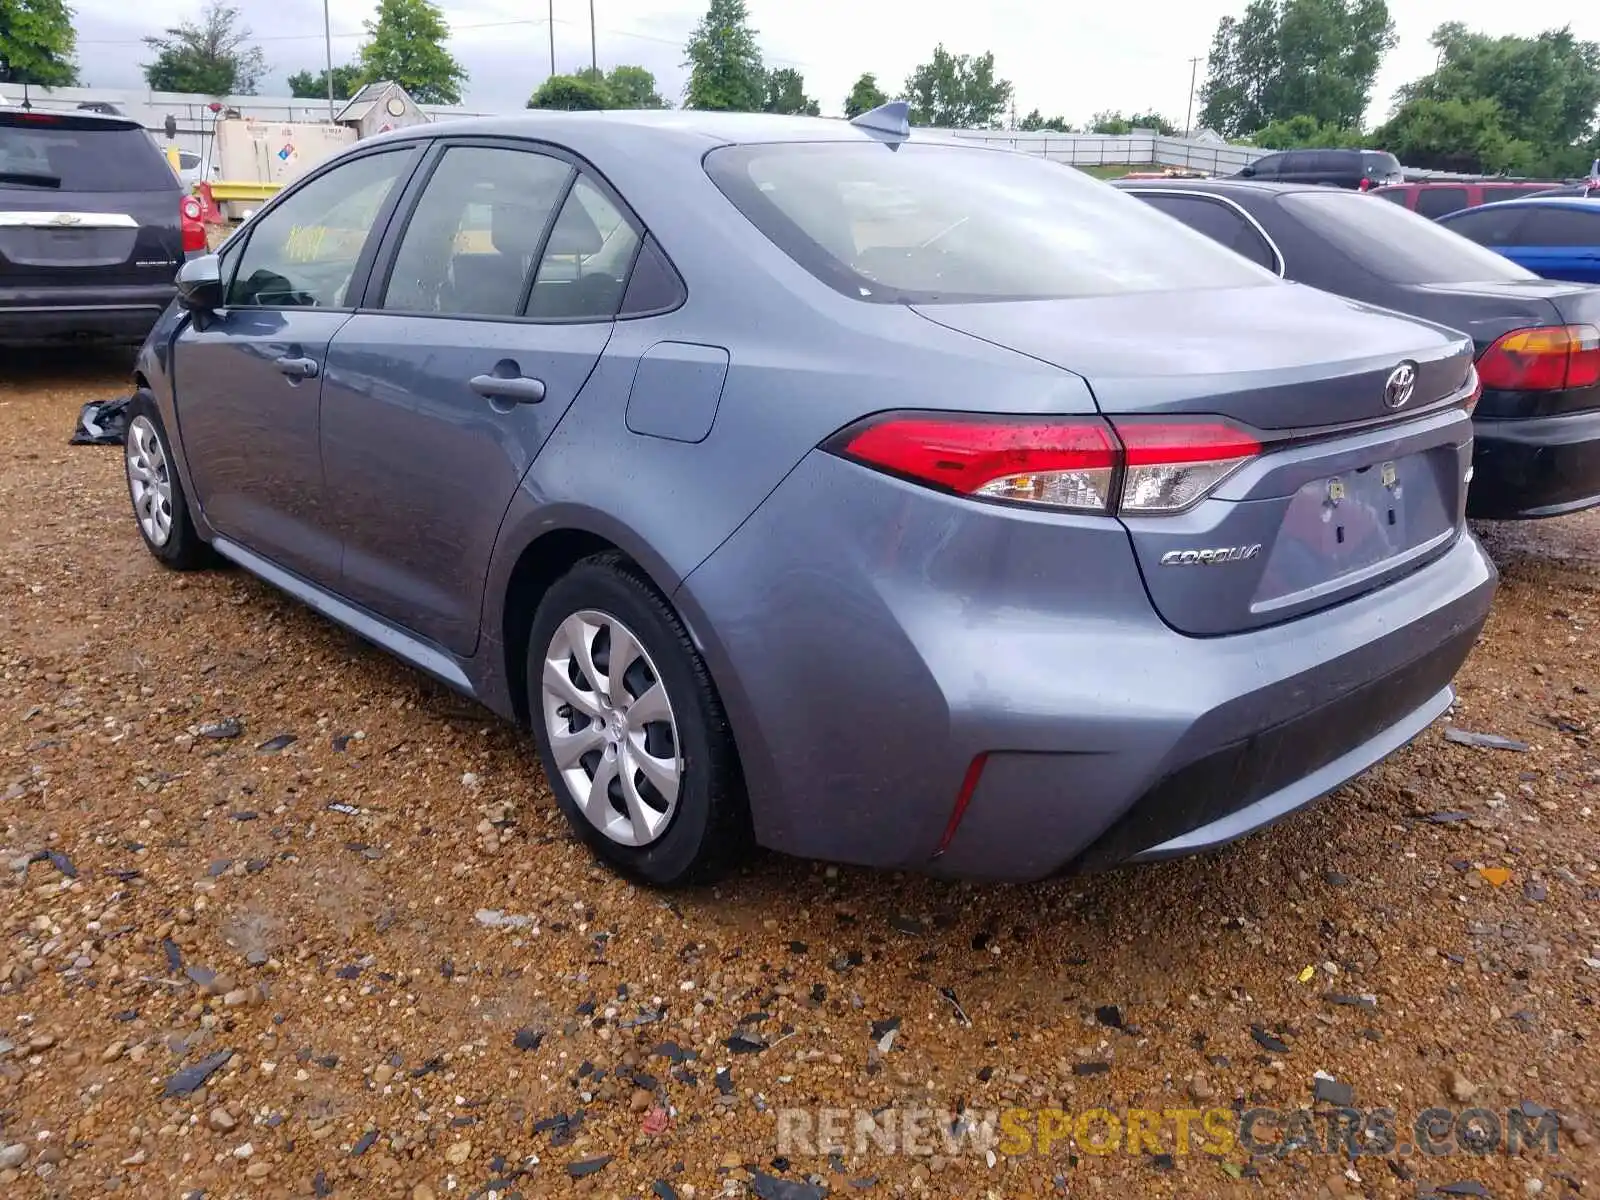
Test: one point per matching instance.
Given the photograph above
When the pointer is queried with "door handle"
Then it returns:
(518, 388)
(298, 368)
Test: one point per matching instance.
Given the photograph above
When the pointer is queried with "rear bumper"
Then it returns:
(1535, 466)
(870, 646)
(30, 316)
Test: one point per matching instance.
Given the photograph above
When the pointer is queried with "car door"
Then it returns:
(1559, 242)
(248, 379)
(498, 295)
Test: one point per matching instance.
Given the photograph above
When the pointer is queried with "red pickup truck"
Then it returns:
(1440, 196)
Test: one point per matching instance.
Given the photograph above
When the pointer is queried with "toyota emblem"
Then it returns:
(1400, 386)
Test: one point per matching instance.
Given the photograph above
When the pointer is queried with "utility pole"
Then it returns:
(594, 60)
(327, 45)
(551, 22)
(1188, 116)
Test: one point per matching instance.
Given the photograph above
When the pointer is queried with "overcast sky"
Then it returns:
(1067, 59)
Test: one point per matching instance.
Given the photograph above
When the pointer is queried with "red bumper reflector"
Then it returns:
(969, 784)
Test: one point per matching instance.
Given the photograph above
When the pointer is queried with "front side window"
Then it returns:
(1555, 226)
(303, 251)
(470, 245)
(933, 224)
(1490, 224)
(1394, 244)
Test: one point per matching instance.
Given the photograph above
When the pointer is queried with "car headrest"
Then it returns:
(515, 228)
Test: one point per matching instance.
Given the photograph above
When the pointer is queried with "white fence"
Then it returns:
(1140, 147)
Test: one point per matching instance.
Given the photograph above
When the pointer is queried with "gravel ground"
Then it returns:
(235, 840)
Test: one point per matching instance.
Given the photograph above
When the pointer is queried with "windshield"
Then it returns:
(952, 224)
(55, 153)
(1395, 244)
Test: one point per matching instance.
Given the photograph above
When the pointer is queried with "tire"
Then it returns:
(671, 717)
(160, 508)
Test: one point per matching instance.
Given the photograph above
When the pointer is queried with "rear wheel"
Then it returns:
(160, 508)
(630, 730)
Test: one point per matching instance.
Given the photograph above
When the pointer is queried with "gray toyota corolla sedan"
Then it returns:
(876, 498)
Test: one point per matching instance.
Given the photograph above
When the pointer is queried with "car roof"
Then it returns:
(76, 118)
(1583, 203)
(689, 126)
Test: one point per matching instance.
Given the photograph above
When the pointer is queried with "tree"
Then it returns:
(1306, 130)
(1456, 135)
(346, 83)
(213, 58)
(1543, 90)
(406, 46)
(725, 70)
(786, 93)
(1153, 120)
(957, 91)
(37, 42)
(1036, 120)
(1286, 58)
(573, 93)
(1106, 121)
(633, 87)
(864, 97)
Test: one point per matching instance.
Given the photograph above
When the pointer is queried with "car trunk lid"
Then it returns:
(1348, 491)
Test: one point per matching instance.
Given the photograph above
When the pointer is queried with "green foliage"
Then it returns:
(406, 46)
(37, 42)
(786, 93)
(1115, 122)
(1456, 135)
(633, 87)
(347, 82)
(1305, 130)
(590, 90)
(957, 91)
(1519, 99)
(213, 58)
(1036, 121)
(1153, 120)
(573, 93)
(1287, 58)
(725, 71)
(865, 96)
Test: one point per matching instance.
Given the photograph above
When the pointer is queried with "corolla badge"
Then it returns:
(1400, 386)
(1210, 558)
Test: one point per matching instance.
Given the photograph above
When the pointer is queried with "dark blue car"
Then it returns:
(1554, 236)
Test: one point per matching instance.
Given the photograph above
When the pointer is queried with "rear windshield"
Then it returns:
(1379, 163)
(1395, 244)
(935, 224)
(36, 151)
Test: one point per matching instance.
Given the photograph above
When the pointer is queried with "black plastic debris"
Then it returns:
(769, 1187)
(528, 1039)
(274, 744)
(1267, 1041)
(190, 1078)
(102, 423)
(365, 1144)
(746, 1043)
(62, 863)
(1109, 1015)
(588, 1166)
(1488, 741)
(221, 731)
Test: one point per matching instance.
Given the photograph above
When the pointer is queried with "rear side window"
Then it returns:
(1393, 195)
(1559, 227)
(69, 155)
(1299, 163)
(1394, 244)
(1436, 201)
(935, 224)
(1220, 222)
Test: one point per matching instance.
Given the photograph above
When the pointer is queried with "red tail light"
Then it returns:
(1078, 464)
(194, 233)
(1546, 358)
(1364, 184)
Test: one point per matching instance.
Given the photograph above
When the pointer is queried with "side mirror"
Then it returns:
(1247, 170)
(200, 284)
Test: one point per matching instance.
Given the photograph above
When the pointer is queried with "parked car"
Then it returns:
(1435, 198)
(1026, 532)
(1584, 187)
(1558, 238)
(1536, 341)
(90, 237)
(1358, 170)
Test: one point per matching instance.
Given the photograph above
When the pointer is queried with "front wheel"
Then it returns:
(160, 507)
(630, 729)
